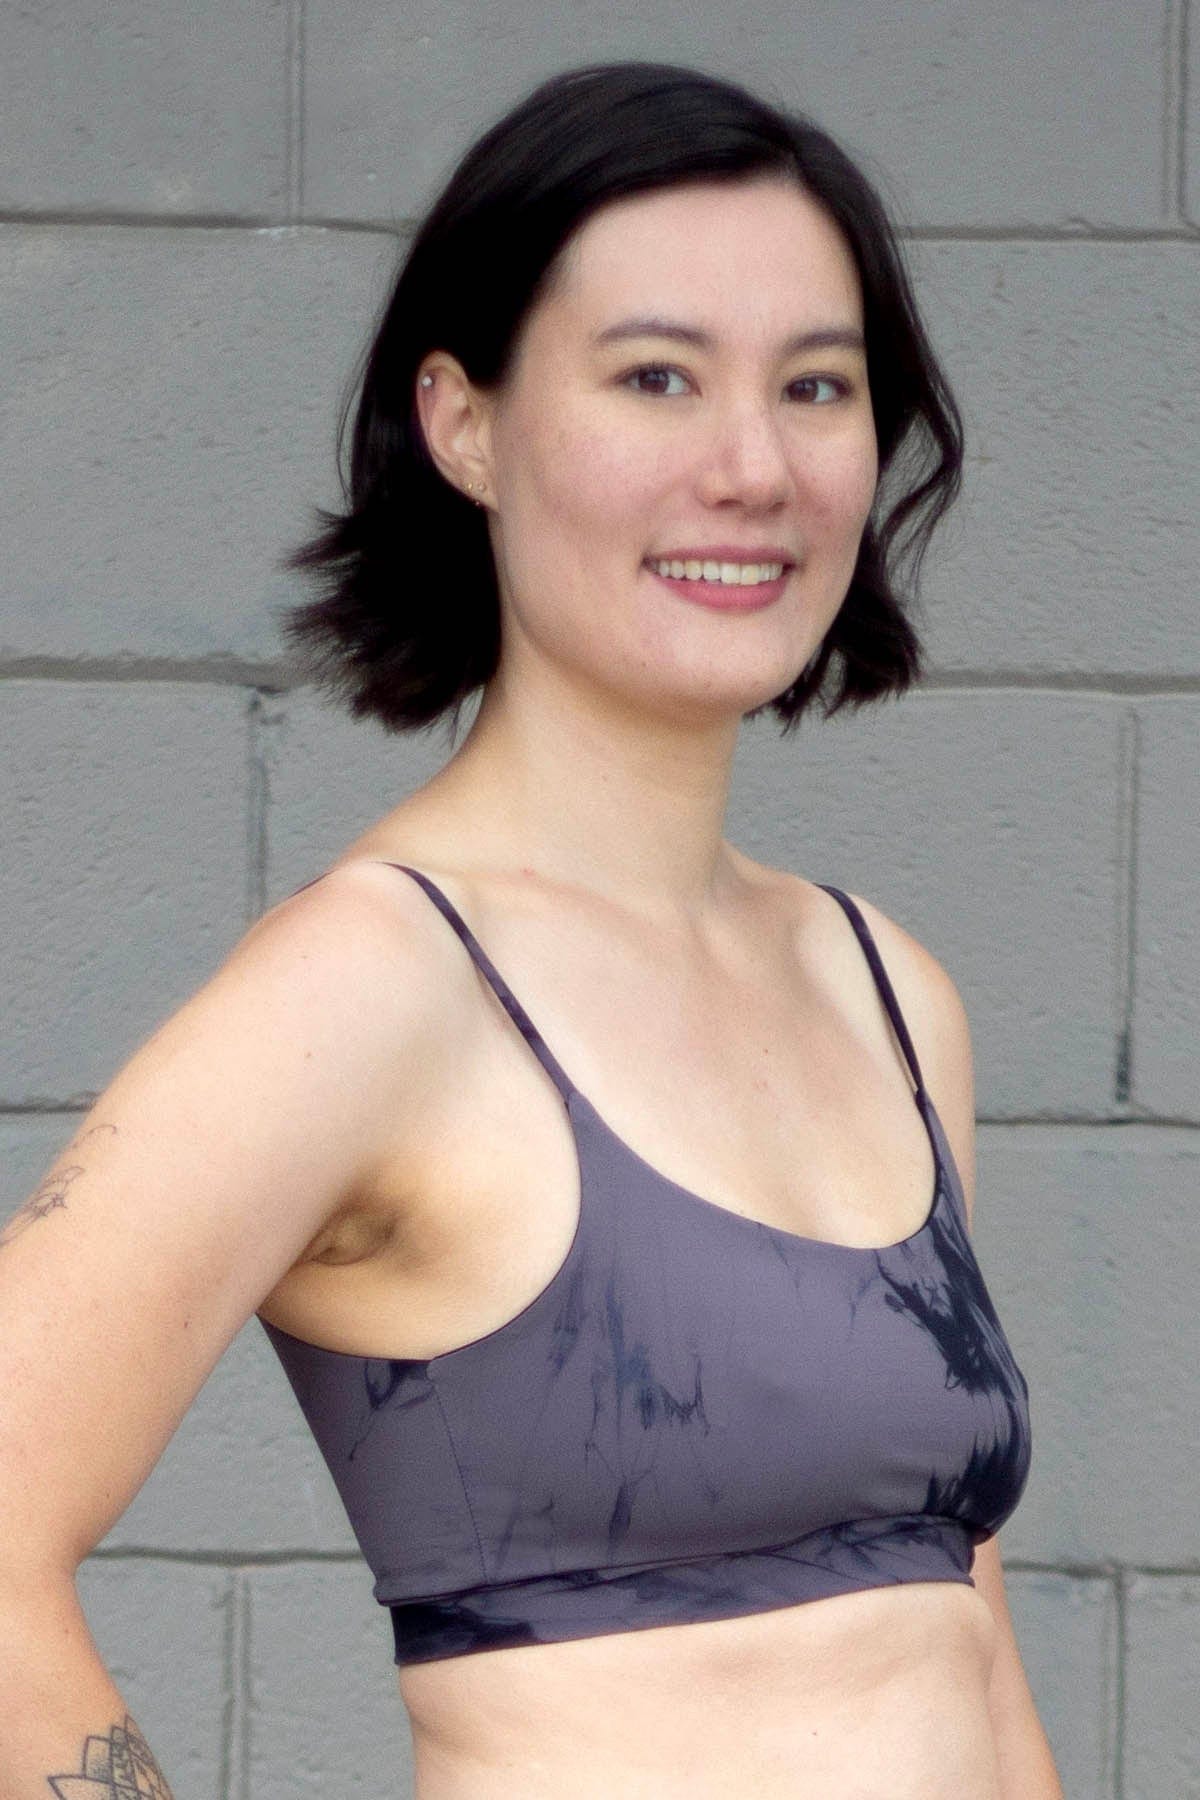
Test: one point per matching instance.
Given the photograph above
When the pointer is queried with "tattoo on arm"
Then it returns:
(51, 1192)
(117, 1767)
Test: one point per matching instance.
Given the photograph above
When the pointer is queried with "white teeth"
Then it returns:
(727, 574)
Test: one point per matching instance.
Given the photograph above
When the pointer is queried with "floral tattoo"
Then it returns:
(117, 1767)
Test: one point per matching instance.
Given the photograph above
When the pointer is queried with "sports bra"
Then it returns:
(699, 1416)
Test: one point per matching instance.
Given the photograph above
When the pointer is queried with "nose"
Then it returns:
(745, 458)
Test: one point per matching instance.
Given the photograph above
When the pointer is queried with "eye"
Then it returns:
(657, 373)
(836, 386)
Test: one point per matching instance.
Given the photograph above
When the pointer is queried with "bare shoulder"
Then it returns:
(928, 995)
(268, 1092)
(353, 915)
(369, 973)
(937, 1020)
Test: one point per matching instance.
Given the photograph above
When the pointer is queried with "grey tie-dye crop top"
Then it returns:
(699, 1416)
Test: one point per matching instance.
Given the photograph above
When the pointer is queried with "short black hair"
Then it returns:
(389, 634)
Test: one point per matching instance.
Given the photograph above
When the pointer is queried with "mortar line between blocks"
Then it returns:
(294, 110)
(1118, 1738)
(245, 1687)
(67, 1108)
(1110, 1691)
(1169, 140)
(58, 218)
(228, 1687)
(1126, 851)
(257, 796)
(272, 680)
(1182, 97)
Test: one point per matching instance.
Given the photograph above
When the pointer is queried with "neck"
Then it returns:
(584, 791)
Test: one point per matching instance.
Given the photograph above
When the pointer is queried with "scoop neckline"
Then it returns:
(569, 1092)
(838, 1250)
(940, 1182)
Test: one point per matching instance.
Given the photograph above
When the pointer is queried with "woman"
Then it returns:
(678, 1457)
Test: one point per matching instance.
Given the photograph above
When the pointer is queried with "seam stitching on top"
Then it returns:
(483, 1568)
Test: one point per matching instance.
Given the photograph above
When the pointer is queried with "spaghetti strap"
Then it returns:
(495, 980)
(882, 982)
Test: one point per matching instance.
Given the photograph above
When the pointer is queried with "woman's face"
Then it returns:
(691, 391)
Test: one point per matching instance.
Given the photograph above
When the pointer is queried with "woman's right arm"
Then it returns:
(196, 1181)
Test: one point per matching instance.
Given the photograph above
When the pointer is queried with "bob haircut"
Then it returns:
(389, 636)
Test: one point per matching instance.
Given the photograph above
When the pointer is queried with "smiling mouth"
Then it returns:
(722, 574)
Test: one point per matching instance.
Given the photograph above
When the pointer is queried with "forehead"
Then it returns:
(762, 250)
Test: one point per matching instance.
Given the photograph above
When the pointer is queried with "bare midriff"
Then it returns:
(878, 1695)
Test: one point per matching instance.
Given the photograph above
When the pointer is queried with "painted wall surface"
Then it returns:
(199, 212)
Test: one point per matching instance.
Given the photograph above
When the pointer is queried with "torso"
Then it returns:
(879, 1695)
(717, 1061)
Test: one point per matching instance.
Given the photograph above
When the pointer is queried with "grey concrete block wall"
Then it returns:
(974, 115)
(1075, 365)
(1166, 1016)
(125, 820)
(356, 1741)
(943, 803)
(199, 213)
(1089, 1245)
(1163, 1747)
(108, 107)
(1069, 1629)
(142, 520)
(164, 1633)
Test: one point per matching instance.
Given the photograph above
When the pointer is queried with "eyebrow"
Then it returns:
(824, 337)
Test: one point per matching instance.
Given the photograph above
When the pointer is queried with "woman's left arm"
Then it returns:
(938, 1021)
(1027, 1770)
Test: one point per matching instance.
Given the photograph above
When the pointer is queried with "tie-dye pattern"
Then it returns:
(698, 1417)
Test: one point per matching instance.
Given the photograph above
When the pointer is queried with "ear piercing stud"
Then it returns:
(427, 382)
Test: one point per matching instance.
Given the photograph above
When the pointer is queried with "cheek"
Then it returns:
(593, 479)
(571, 501)
(844, 486)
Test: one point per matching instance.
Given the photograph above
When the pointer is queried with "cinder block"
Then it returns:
(1066, 1627)
(329, 777)
(163, 1631)
(1021, 115)
(1082, 1234)
(172, 400)
(1076, 542)
(1162, 1724)
(984, 823)
(124, 881)
(242, 1474)
(1166, 1016)
(324, 1711)
(112, 105)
